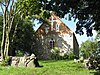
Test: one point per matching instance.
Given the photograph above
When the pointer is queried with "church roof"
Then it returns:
(59, 20)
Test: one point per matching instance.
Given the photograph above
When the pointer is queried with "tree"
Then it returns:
(88, 48)
(86, 11)
(10, 10)
(97, 54)
(98, 35)
(24, 38)
(33, 9)
(0, 27)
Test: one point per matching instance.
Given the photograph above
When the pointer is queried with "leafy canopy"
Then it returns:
(88, 47)
(86, 11)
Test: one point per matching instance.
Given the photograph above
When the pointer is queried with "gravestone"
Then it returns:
(30, 62)
(26, 61)
(15, 61)
(21, 62)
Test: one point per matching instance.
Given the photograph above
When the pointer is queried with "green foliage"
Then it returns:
(71, 56)
(8, 10)
(97, 53)
(55, 50)
(86, 11)
(24, 37)
(20, 53)
(98, 35)
(88, 48)
(32, 9)
(17, 10)
(40, 9)
(5, 62)
(55, 53)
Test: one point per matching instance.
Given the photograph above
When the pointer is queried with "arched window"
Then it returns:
(57, 27)
(52, 43)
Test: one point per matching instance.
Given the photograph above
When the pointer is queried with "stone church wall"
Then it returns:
(45, 51)
(56, 33)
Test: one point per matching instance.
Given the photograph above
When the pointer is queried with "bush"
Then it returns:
(20, 53)
(65, 56)
(70, 56)
(5, 62)
(55, 53)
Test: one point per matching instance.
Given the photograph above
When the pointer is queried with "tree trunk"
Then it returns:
(7, 18)
(9, 12)
(3, 35)
(6, 43)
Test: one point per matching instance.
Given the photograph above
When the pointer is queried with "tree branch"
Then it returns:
(2, 8)
(7, 3)
(11, 22)
(2, 3)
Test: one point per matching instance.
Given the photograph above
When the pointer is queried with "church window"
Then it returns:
(57, 27)
(52, 43)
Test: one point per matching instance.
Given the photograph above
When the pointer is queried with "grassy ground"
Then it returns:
(16, 71)
(50, 67)
(63, 68)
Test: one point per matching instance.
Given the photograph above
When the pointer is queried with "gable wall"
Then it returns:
(75, 46)
(63, 39)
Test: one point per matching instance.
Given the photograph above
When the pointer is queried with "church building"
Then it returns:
(56, 35)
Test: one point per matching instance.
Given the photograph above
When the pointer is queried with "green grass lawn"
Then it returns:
(50, 67)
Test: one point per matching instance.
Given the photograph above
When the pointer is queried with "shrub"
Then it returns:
(71, 56)
(55, 53)
(5, 62)
(20, 53)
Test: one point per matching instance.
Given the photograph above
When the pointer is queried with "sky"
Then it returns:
(72, 26)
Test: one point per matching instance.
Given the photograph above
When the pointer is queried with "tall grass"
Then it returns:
(50, 67)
